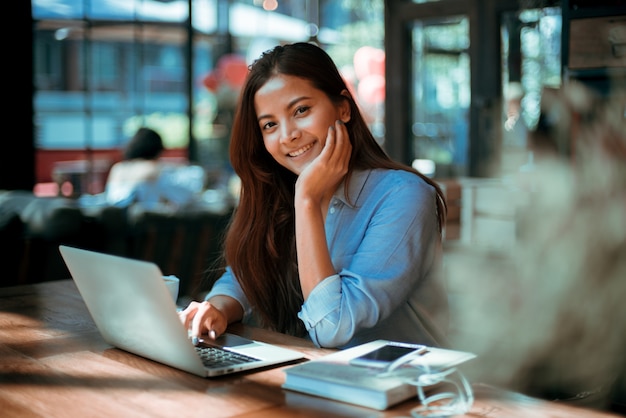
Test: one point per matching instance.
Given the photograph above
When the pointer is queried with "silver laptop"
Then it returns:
(134, 311)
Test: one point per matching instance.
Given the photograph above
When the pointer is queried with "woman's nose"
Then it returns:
(289, 133)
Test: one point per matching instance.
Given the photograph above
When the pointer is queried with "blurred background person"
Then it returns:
(143, 177)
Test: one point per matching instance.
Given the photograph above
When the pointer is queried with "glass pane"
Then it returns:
(119, 76)
(98, 79)
(148, 10)
(441, 94)
(104, 67)
(531, 60)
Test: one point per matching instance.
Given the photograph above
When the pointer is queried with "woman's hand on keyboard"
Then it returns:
(210, 317)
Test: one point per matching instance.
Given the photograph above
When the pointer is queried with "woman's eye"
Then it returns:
(302, 109)
(268, 125)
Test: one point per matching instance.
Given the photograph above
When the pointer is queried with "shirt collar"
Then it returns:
(357, 182)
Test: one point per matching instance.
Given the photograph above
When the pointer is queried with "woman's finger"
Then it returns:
(329, 146)
(202, 315)
(187, 314)
(343, 140)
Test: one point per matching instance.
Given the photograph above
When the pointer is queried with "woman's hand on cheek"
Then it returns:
(339, 156)
(328, 169)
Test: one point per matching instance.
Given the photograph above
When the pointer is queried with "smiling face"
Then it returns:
(294, 118)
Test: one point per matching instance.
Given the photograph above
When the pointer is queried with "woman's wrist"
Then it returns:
(230, 308)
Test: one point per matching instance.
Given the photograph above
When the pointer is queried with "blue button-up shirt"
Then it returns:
(385, 245)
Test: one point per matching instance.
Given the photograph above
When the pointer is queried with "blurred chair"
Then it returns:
(185, 243)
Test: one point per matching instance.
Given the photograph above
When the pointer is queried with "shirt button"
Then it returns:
(333, 206)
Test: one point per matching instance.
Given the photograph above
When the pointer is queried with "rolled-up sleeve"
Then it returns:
(326, 296)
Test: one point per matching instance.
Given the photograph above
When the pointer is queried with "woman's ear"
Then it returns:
(345, 112)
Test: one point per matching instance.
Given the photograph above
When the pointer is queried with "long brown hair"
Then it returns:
(260, 242)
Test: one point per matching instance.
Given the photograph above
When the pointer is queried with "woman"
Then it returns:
(142, 177)
(331, 238)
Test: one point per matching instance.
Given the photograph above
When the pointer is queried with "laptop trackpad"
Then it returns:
(229, 340)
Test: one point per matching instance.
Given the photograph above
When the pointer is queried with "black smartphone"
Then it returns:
(381, 357)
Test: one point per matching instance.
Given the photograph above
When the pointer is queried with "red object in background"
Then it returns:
(211, 81)
(369, 61)
(234, 70)
(372, 89)
(231, 69)
(369, 68)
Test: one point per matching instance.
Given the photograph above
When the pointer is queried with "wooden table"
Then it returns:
(53, 363)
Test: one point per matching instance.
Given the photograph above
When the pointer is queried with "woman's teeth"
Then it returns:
(301, 151)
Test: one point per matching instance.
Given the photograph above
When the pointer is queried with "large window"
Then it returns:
(441, 94)
(531, 61)
(100, 72)
(468, 85)
(102, 68)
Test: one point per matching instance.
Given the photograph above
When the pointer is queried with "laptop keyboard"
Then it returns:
(212, 356)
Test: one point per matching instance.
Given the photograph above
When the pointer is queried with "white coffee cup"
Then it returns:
(173, 283)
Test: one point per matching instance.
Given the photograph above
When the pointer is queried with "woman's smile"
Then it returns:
(301, 150)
